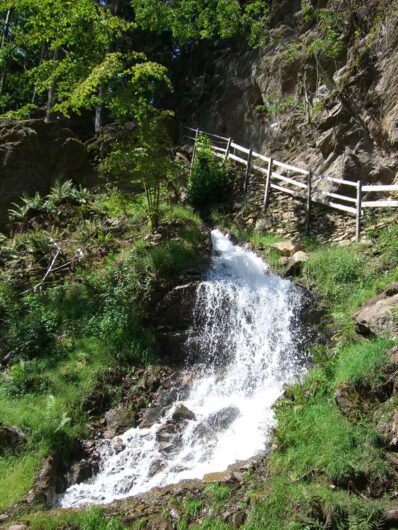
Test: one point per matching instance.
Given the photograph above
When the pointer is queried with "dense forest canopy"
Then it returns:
(63, 56)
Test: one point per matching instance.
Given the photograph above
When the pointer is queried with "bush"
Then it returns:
(210, 183)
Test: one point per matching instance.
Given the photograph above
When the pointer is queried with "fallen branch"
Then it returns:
(49, 268)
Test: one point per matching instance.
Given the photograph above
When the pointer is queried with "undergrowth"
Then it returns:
(85, 321)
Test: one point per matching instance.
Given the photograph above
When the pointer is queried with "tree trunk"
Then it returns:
(52, 91)
(3, 42)
(99, 111)
(6, 28)
(35, 87)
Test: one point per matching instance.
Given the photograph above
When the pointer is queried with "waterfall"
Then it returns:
(247, 349)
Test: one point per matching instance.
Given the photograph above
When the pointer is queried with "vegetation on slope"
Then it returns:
(84, 325)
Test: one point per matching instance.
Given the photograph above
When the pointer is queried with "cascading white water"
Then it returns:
(247, 350)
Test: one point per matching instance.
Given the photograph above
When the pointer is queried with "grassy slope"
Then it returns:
(325, 469)
(85, 324)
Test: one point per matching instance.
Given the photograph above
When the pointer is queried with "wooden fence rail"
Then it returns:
(308, 190)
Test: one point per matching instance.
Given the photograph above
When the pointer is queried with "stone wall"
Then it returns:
(285, 215)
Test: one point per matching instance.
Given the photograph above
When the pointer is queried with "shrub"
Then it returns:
(30, 206)
(210, 183)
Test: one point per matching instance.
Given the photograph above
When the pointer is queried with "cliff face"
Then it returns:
(33, 155)
(326, 85)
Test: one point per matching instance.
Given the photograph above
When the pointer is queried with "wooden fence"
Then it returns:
(305, 184)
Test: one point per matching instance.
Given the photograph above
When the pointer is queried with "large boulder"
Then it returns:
(379, 315)
(287, 248)
(295, 263)
(120, 419)
(34, 154)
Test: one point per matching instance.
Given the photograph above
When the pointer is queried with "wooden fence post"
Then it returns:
(228, 149)
(249, 162)
(268, 184)
(359, 211)
(308, 206)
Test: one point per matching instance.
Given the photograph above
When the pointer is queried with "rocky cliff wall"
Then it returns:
(33, 155)
(337, 115)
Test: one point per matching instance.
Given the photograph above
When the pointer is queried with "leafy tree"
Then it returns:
(210, 182)
(194, 20)
(143, 157)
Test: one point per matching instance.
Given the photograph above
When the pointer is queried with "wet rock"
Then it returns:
(169, 437)
(10, 438)
(379, 314)
(295, 263)
(222, 419)
(155, 467)
(182, 413)
(176, 309)
(49, 482)
(121, 418)
(82, 471)
(151, 416)
(118, 445)
(287, 248)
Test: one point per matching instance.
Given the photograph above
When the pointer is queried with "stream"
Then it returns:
(249, 347)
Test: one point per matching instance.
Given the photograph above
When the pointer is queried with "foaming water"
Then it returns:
(246, 351)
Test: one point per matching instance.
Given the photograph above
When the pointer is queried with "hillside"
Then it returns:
(172, 355)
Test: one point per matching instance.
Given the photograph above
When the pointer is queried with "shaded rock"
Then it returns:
(121, 418)
(10, 438)
(287, 248)
(150, 380)
(155, 467)
(182, 413)
(379, 315)
(82, 471)
(34, 154)
(348, 400)
(222, 419)
(151, 416)
(176, 309)
(49, 483)
(238, 519)
(296, 262)
(333, 117)
(354, 399)
(326, 143)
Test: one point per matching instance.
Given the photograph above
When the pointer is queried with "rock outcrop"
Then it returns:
(379, 315)
(10, 438)
(34, 154)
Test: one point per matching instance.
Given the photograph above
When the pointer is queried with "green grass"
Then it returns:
(297, 506)
(17, 476)
(212, 523)
(217, 492)
(90, 519)
(362, 361)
